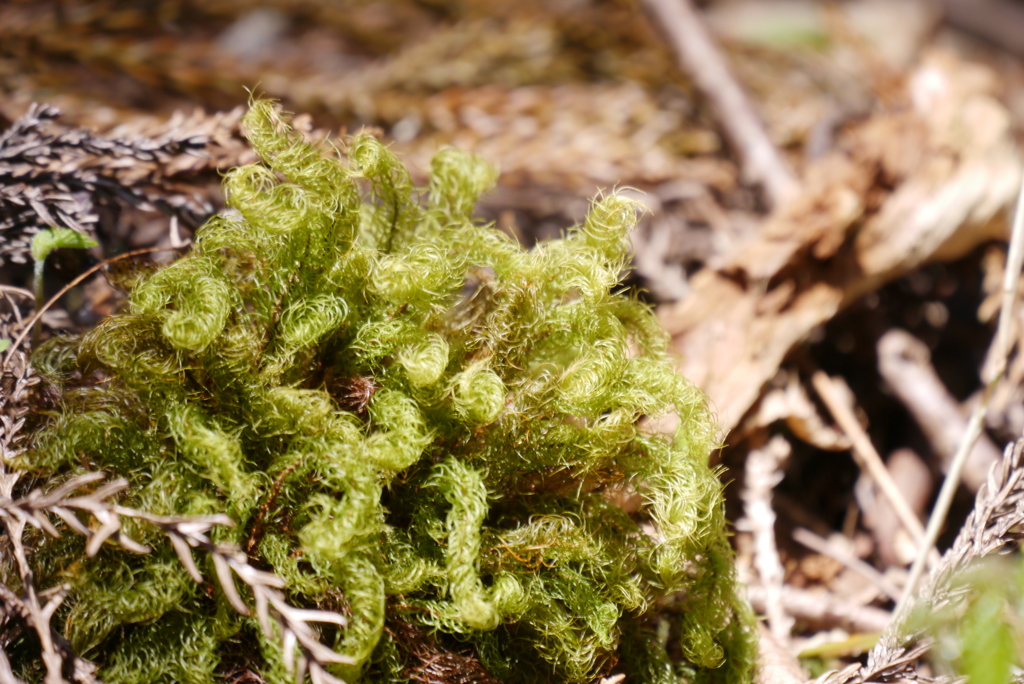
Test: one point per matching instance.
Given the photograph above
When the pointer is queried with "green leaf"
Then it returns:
(987, 641)
(50, 239)
(4, 344)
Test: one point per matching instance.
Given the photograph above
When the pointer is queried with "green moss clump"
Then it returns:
(414, 422)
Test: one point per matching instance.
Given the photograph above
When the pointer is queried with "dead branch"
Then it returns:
(904, 363)
(822, 610)
(992, 526)
(914, 480)
(762, 472)
(793, 405)
(865, 454)
(6, 673)
(701, 60)
(823, 546)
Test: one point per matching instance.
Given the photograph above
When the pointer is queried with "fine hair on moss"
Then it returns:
(413, 421)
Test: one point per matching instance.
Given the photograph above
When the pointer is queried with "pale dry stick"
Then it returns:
(761, 163)
(762, 472)
(613, 679)
(868, 459)
(38, 315)
(6, 673)
(993, 527)
(1001, 349)
(821, 545)
(904, 362)
(175, 234)
(914, 479)
(27, 294)
(823, 609)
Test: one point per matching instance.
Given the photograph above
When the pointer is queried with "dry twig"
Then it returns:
(914, 479)
(778, 665)
(822, 609)
(904, 362)
(866, 455)
(762, 472)
(992, 527)
(702, 61)
(820, 545)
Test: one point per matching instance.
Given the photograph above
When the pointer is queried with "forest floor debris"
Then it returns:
(883, 269)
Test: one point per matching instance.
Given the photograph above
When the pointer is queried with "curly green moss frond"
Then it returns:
(391, 214)
(120, 437)
(363, 584)
(277, 549)
(284, 150)
(377, 340)
(135, 347)
(303, 324)
(421, 280)
(125, 594)
(464, 490)
(456, 182)
(404, 434)
(645, 657)
(408, 572)
(217, 455)
(338, 526)
(290, 410)
(147, 652)
(574, 654)
(608, 225)
(191, 299)
(426, 361)
(479, 393)
(588, 385)
(410, 418)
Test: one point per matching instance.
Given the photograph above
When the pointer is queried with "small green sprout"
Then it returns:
(44, 242)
